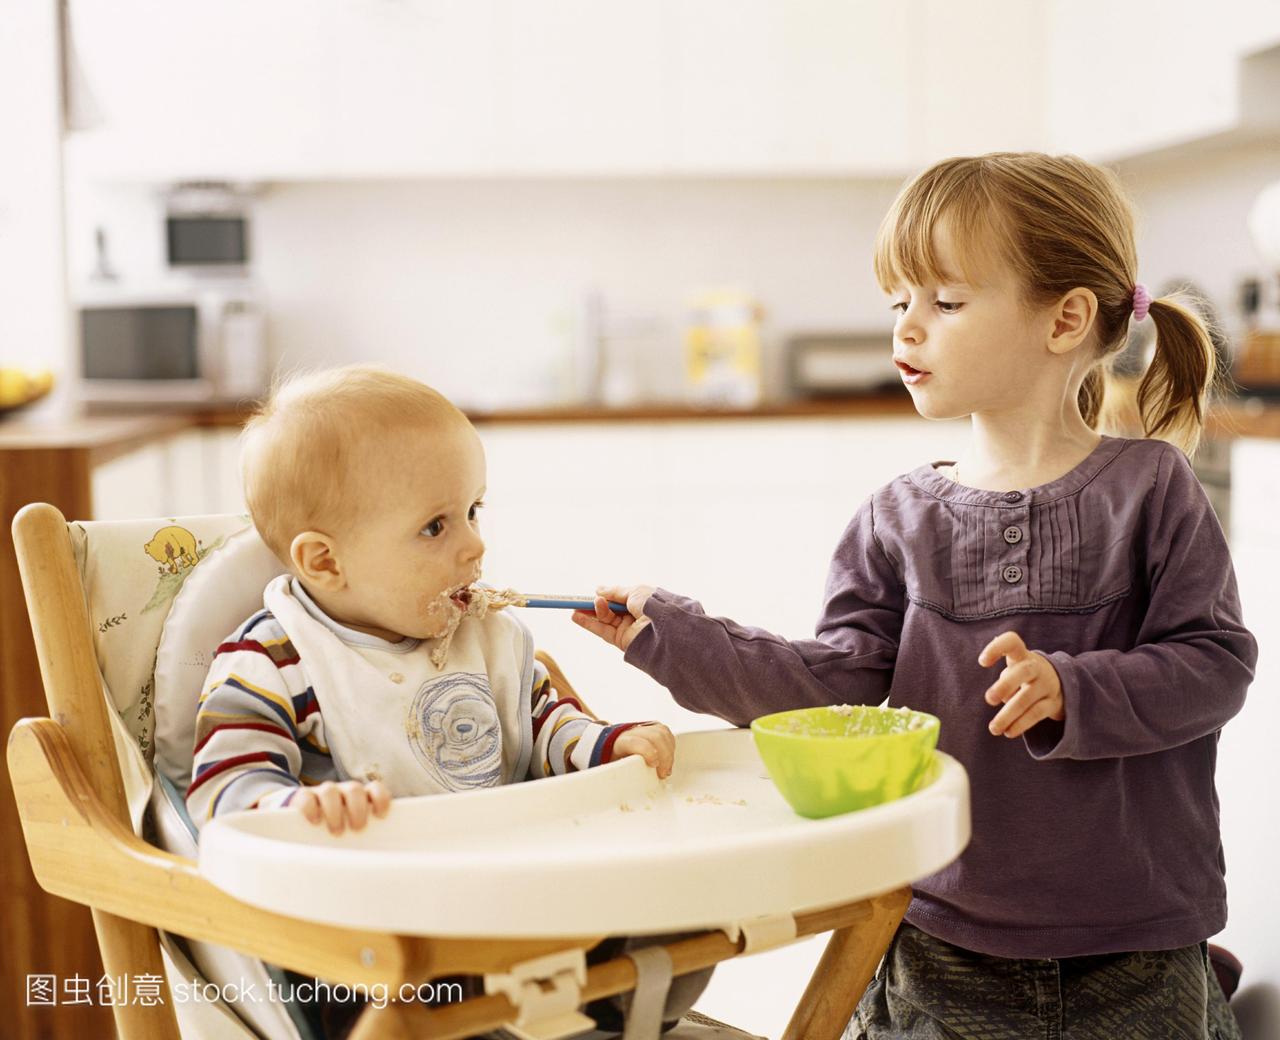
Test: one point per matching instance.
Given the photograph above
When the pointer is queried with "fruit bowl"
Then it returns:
(19, 388)
(831, 760)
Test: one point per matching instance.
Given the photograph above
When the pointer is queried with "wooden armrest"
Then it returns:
(80, 852)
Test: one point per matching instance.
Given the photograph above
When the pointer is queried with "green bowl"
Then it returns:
(833, 760)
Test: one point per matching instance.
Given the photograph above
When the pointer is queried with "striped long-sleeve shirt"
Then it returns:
(260, 732)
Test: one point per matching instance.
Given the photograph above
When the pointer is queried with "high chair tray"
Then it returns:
(608, 850)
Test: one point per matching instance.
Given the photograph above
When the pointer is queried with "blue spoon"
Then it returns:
(586, 603)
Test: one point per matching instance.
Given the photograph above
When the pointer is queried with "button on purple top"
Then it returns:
(1094, 835)
(1012, 496)
(1013, 535)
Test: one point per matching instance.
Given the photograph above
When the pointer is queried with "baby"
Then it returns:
(376, 669)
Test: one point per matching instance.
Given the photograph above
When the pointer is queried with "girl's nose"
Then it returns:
(908, 330)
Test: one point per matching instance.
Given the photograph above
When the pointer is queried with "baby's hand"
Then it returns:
(618, 629)
(342, 804)
(654, 743)
(1029, 686)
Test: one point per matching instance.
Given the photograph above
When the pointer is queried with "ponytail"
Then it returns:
(1172, 394)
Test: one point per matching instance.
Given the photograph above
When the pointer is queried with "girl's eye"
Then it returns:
(900, 307)
(434, 529)
(949, 308)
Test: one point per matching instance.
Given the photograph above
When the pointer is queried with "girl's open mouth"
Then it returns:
(909, 374)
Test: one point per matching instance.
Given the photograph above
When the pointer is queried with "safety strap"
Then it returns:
(653, 982)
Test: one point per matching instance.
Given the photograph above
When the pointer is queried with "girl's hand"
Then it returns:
(618, 629)
(654, 743)
(1029, 686)
(341, 804)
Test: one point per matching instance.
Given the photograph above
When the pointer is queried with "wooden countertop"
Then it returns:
(103, 436)
(108, 435)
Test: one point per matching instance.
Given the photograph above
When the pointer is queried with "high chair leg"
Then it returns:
(845, 970)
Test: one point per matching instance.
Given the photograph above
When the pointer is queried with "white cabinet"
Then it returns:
(288, 89)
(1250, 799)
(819, 87)
(978, 76)
(1149, 74)
(296, 89)
(582, 86)
(191, 474)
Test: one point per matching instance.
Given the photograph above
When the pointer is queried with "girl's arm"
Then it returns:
(1193, 658)
(719, 667)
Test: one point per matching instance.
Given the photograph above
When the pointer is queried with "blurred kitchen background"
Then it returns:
(633, 240)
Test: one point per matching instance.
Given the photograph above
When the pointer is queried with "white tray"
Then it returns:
(609, 850)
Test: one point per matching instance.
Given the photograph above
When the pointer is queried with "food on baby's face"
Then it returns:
(469, 601)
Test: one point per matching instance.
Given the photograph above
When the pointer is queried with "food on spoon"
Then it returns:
(471, 601)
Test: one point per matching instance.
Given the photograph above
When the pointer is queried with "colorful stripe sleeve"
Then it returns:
(247, 751)
(565, 738)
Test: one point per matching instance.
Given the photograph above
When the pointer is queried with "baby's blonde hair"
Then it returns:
(1060, 223)
(316, 431)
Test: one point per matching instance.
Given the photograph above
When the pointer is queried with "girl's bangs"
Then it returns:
(906, 249)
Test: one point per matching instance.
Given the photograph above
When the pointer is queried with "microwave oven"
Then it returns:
(199, 346)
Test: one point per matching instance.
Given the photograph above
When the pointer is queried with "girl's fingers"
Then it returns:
(1037, 713)
(1013, 677)
(1006, 644)
(1027, 695)
(595, 626)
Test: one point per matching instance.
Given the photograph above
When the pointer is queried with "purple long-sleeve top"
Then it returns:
(1093, 835)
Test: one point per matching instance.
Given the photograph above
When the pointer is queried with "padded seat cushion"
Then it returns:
(216, 599)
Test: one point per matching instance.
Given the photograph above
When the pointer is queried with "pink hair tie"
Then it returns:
(1141, 302)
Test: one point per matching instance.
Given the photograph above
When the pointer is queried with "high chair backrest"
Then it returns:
(100, 594)
(131, 572)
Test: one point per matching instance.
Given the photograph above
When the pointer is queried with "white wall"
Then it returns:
(475, 286)
(33, 328)
(1191, 219)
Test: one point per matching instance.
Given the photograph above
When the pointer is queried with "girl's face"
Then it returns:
(963, 348)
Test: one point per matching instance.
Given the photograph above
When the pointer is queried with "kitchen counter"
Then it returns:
(1236, 417)
(891, 403)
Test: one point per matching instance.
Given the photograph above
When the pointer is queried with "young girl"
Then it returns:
(1092, 566)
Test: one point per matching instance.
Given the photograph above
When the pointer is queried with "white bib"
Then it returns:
(419, 729)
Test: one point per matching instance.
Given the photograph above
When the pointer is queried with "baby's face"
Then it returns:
(420, 540)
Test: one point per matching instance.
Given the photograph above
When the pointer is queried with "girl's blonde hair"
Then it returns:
(308, 451)
(1059, 223)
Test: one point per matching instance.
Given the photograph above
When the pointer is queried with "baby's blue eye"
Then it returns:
(434, 529)
(474, 512)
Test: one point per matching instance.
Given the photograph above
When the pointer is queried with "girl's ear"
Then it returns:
(1073, 317)
(315, 560)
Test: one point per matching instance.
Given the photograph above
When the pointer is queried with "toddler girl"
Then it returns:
(1092, 566)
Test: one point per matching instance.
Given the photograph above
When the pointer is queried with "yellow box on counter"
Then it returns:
(722, 349)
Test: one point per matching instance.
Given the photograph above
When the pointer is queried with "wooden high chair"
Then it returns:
(81, 781)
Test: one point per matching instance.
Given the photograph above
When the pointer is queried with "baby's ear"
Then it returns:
(315, 561)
